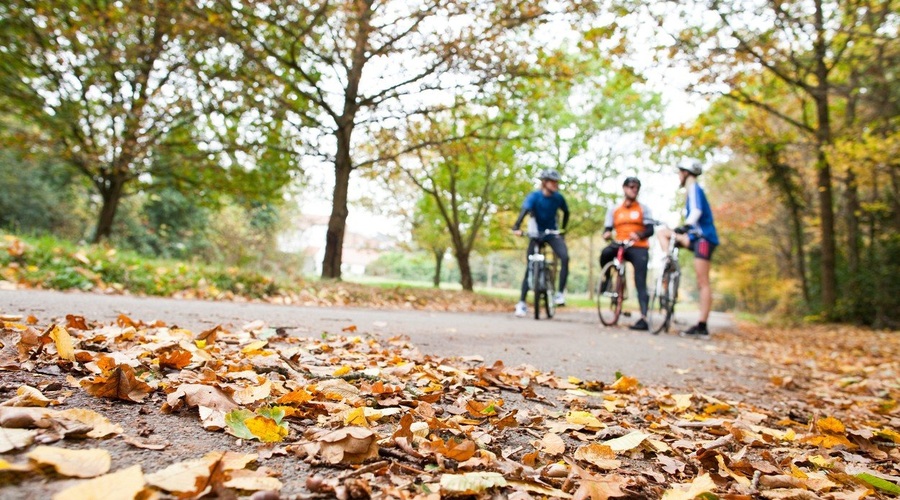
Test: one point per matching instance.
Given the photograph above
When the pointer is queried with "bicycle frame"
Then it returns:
(542, 275)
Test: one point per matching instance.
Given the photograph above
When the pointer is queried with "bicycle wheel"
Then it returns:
(537, 276)
(609, 300)
(550, 291)
(658, 315)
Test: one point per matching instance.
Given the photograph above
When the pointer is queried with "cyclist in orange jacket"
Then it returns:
(631, 221)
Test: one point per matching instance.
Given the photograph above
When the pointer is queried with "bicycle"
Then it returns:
(612, 290)
(542, 275)
(661, 309)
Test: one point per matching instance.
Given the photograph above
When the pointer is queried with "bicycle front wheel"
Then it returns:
(550, 291)
(610, 296)
(662, 303)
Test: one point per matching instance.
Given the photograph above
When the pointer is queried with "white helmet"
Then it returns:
(693, 167)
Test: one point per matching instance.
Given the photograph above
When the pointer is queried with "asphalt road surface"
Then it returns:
(572, 344)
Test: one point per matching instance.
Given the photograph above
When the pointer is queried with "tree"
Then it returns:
(806, 46)
(352, 68)
(429, 233)
(110, 86)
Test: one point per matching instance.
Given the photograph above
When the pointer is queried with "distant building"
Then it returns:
(307, 238)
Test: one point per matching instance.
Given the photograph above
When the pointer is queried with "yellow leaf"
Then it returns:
(627, 442)
(125, 484)
(356, 416)
(625, 384)
(342, 370)
(254, 346)
(4, 465)
(73, 463)
(63, 342)
(831, 425)
(266, 429)
(889, 434)
(584, 418)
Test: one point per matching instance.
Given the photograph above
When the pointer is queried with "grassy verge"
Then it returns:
(49, 263)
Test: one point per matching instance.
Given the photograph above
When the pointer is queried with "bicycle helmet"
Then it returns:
(692, 167)
(550, 175)
(632, 180)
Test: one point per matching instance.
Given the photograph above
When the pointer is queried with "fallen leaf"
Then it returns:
(187, 478)
(627, 442)
(471, 483)
(125, 484)
(15, 439)
(27, 396)
(63, 342)
(119, 384)
(202, 395)
(350, 445)
(73, 463)
(252, 480)
(101, 425)
(599, 455)
(701, 484)
(552, 444)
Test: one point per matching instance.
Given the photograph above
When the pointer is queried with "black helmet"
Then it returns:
(692, 167)
(632, 180)
(550, 175)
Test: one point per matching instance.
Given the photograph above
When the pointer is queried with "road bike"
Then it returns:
(664, 296)
(612, 289)
(542, 274)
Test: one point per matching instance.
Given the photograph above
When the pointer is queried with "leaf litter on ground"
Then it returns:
(360, 416)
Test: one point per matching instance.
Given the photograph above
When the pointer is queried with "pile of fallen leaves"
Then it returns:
(105, 270)
(348, 416)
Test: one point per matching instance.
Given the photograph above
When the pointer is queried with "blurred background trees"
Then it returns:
(190, 129)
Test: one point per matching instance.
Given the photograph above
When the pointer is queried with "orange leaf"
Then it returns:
(120, 384)
(175, 359)
(76, 322)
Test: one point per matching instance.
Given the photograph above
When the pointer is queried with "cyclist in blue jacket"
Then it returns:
(699, 235)
(543, 205)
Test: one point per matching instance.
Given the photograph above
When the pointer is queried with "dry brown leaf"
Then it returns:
(552, 444)
(700, 484)
(252, 480)
(187, 478)
(102, 427)
(599, 455)
(202, 395)
(73, 463)
(27, 396)
(143, 443)
(121, 383)
(125, 484)
(350, 445)
(74, 322)
(15, 439)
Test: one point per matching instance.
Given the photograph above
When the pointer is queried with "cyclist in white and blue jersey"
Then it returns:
(699, 235)
(543, 206)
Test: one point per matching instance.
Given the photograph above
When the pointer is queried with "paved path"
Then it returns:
(573, 343)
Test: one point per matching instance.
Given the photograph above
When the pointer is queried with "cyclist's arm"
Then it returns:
(608, 224)
(526, 208)
(649, 228)
(694, 210)
(565, 221)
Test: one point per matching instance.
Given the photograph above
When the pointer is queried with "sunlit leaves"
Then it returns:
(120, 383)
(74, 463)
(265, 425)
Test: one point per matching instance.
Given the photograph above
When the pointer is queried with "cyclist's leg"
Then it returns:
(606, 256)
(703, 251)
(558, 244)
(639, 257)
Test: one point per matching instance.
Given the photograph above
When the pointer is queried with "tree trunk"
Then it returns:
(111, 195)
(823, 179)
(438, 265)
(343, 164)
(465, 270)
(337, 223)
